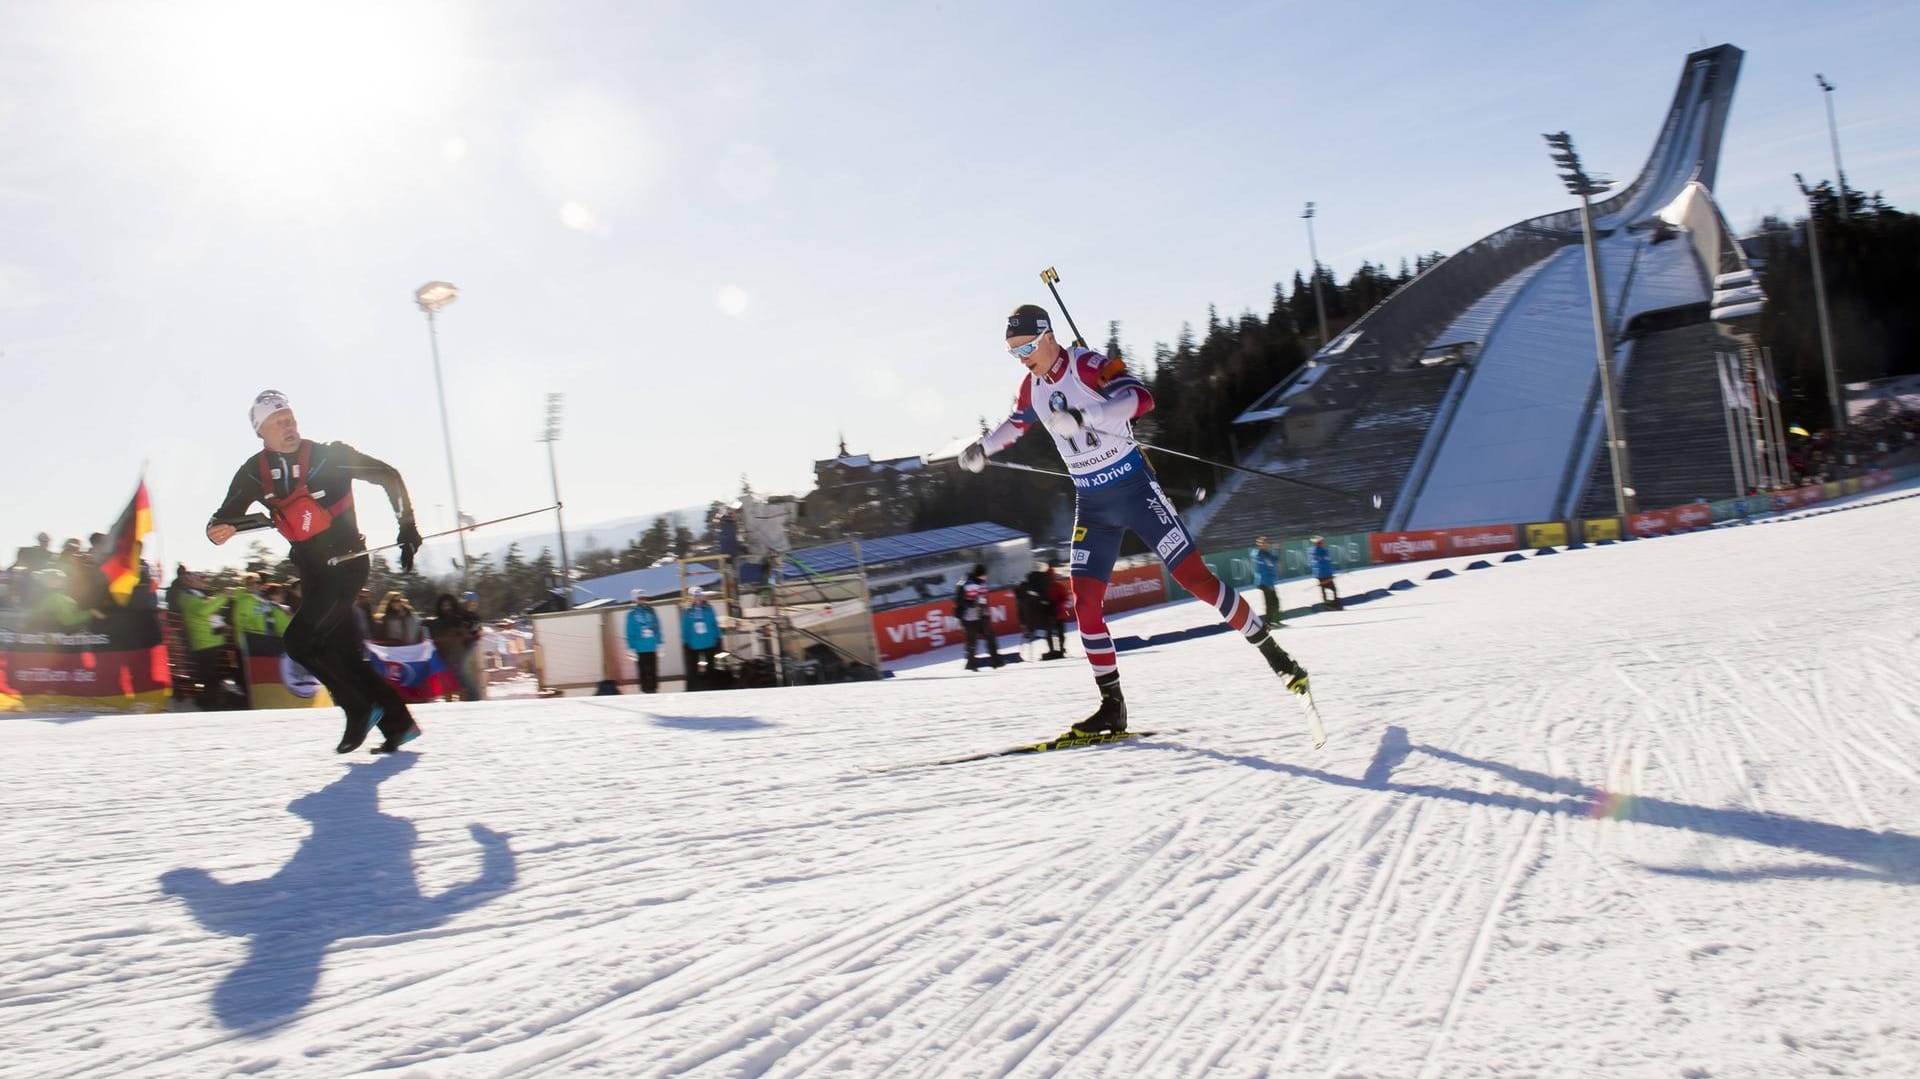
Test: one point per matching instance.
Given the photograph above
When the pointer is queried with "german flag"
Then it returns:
(119, 559)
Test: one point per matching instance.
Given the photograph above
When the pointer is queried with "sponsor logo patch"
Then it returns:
(1171, 545)
(1105, 476)
(1407, 548)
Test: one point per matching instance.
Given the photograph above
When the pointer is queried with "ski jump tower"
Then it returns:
(1472, 394)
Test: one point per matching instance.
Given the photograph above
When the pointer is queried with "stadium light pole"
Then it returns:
(1319, 304)
(551, 435)
(1833, 133)
(1820, 305)
(431, 297)
(1579, 183)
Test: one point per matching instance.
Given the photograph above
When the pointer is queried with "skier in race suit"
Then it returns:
(1088, 403)
(307, 487)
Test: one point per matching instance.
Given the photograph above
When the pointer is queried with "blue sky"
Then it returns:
(730, 233)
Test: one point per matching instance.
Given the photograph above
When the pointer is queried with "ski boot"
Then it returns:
(1285, 666)
(1109, 718)
(358, 723)
(392, 745)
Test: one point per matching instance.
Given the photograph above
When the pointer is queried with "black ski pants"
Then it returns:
(699, 668)
(978, 630)
(1272, 598)
(649, 667)
(324, 638)
(1329, 594)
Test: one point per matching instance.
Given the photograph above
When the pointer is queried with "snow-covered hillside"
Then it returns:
(1647, 810)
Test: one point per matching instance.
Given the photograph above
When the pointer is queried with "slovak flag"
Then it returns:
(414, 669)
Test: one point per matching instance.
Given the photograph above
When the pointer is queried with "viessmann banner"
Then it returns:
(923, 627)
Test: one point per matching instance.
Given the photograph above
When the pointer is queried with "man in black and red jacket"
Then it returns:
(307, 488)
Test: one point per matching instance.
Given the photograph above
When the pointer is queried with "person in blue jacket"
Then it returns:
(643, 639)
(699, 638)
(1323, 570)
(1266, 574)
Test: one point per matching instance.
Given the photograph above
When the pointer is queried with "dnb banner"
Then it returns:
(117, 663)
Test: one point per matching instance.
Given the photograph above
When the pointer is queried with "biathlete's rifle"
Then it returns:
(351, 555)
(1052, 277)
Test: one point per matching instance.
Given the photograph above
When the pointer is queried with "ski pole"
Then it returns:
(251, 522)
(351, 555)
(1308, 484)
(1052, 276)
(1028, 468)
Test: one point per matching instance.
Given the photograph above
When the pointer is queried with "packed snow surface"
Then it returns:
(1646, 810)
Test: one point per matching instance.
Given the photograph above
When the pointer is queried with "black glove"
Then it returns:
(409, 541)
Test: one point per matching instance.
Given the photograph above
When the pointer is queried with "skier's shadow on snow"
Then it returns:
(1891, 857)
(712, 723)
(352, 877)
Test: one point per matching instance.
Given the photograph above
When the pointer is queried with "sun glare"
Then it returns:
(293, 98)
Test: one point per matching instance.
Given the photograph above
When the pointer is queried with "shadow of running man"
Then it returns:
(353, 876)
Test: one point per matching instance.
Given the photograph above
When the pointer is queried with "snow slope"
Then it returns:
(1643, 810)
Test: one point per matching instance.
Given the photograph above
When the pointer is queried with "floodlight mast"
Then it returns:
(1572, 174)
(431, 297)
(1820, 304)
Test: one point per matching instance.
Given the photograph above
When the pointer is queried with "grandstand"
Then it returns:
(1471, 395)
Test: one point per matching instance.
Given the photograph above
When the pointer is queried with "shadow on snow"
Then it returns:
(1892, 857)
(712, 723)
(353, 876)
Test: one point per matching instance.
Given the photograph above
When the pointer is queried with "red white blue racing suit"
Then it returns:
(1114, 491)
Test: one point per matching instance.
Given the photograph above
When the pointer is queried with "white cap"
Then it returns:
(696, 591)
(265, 405)
(637, 595)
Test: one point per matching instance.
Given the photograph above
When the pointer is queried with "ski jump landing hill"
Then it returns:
(1472, 395)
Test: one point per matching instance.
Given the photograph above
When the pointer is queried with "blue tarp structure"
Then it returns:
(825, 560)
(838, 557)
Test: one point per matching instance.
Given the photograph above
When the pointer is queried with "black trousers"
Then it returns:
(649, 665)
(978, 630)
(1272, 599)
(699, 667)
(324, 639)
(205, 665)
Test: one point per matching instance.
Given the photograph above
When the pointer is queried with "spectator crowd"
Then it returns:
(208, 619)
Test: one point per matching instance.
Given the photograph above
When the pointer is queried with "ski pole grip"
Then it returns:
(248, 523)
